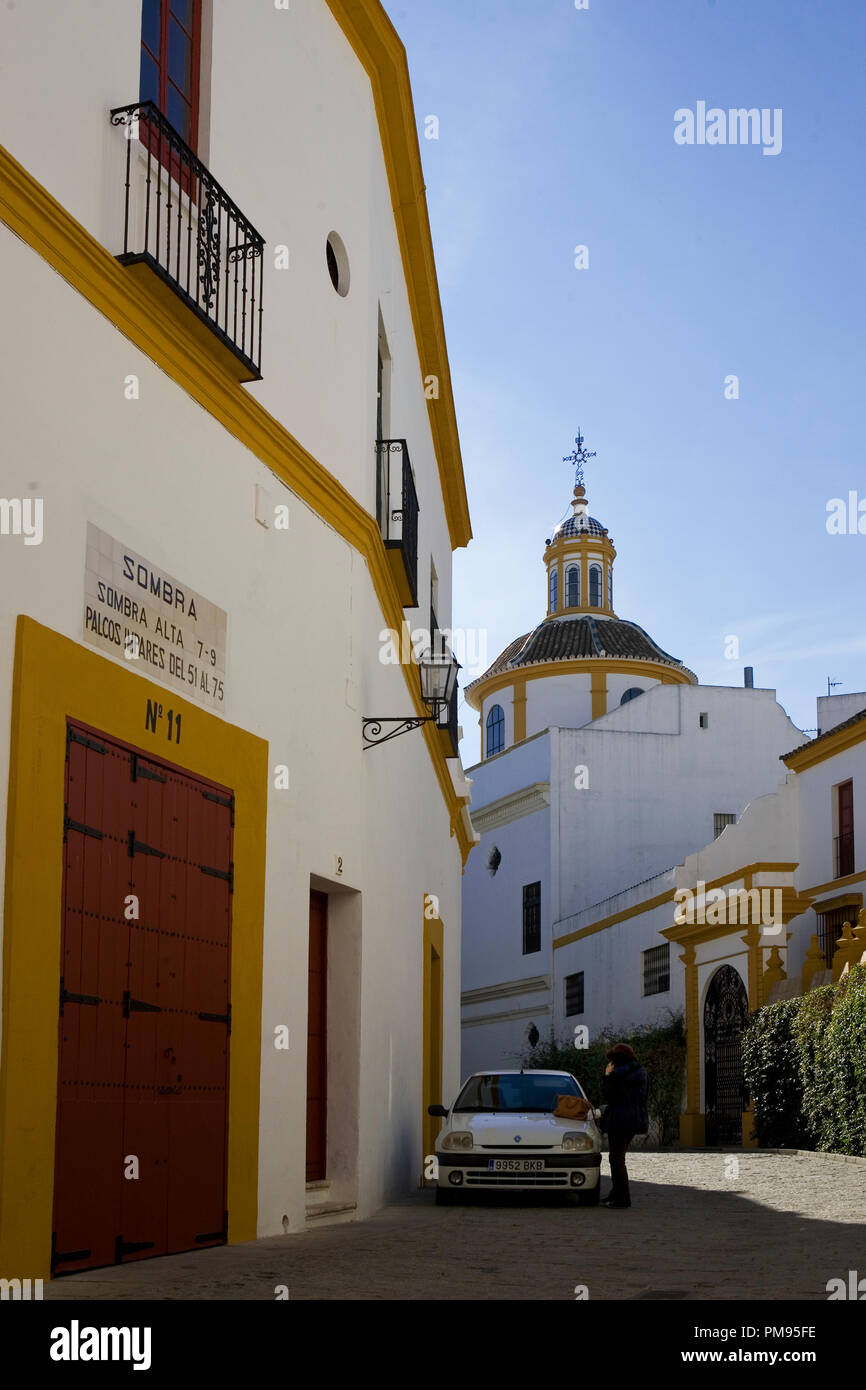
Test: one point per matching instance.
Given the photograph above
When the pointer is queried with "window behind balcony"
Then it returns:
(845, 824)
(170, 61)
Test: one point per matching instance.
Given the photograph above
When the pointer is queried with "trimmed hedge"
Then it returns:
(662, 1050)
(805, 1064)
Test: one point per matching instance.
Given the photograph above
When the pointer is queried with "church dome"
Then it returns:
(580, 525)
(599, 660)
(580, 638)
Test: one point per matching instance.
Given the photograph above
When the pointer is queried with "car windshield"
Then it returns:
(504, 1091)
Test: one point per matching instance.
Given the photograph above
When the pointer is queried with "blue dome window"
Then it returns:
(554, 590)
(572, 586)
(595, 586)
(495, 730)
(631, 694)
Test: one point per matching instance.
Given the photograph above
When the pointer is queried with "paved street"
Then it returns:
(780, 1229)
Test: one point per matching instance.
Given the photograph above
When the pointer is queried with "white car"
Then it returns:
(501, 1135)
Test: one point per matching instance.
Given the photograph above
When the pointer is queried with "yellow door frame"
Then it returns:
(55, 679)
(431, 1071)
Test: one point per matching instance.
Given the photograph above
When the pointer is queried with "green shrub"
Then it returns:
(805, 1064)
(661, 1049)
(773, 1075)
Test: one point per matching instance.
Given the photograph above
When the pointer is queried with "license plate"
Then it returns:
(515, 1165)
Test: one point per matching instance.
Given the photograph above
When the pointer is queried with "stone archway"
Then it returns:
(726, 1009)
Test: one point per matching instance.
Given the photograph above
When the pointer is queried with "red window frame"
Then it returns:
(192, 30)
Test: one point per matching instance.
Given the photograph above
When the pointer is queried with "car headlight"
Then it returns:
(458, 1139)
(576, 1142)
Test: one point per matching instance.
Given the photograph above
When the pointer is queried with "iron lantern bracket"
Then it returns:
(374, 729)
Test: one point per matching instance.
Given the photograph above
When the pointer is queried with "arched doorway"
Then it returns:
(725, 1012)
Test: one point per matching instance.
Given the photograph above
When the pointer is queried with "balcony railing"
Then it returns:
(181, 224)
(397, 514)
(843, 846)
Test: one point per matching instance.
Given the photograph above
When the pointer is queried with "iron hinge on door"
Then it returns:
(63, 1257)
(227, 801)
(138, 769)
(138, 1006)
(139, 847)
(129, 1247)
(216, 1235)
(66, 997)
(73, 736)
(228, 874)
(77, 825)
(225, 1018)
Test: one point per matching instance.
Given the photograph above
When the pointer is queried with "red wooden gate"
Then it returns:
(142, 1108)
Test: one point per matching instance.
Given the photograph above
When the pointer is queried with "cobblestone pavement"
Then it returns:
(780, 1229)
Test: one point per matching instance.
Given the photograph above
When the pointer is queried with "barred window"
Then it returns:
(554, 590)
(657, 969)
(720, 820)
(531, 918)
(830, 926)
(574, 994)
(572, 587)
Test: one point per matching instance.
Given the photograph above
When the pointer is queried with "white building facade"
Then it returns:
(605, 763)
(231, 926)
(770, 909)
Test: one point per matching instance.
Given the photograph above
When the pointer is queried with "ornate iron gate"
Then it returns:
(725, 1013)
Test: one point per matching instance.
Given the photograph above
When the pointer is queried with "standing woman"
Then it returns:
(626, 1087)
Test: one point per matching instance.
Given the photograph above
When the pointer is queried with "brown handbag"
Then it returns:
(572, 1108)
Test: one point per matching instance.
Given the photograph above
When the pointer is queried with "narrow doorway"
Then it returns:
(317, 1039)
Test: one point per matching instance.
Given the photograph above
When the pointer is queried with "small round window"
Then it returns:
(338, 264)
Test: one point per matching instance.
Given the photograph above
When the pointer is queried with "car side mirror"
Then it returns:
(437, 1110)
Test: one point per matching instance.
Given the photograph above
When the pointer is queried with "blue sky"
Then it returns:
(556, 129)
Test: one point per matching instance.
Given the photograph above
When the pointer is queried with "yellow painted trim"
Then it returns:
(836, 883)
(692, 1121)
(604, 922)
(55, 678)
(32, 214)
(377, 45)
(432, 1024)
(519, 709)
(599, 693)
(479, 690)
(836, 741)
(672, 932)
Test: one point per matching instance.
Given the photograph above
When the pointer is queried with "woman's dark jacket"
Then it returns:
(625, 1092)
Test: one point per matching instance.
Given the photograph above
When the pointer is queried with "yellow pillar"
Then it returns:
(599, 694)
(773, 974)
(843, 954)
(814, 962)
(519, 706)
(692, 1123)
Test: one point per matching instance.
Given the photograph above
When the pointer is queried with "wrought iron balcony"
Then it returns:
(844, 854)
(397, 514)
(450, 732)
(181, 226)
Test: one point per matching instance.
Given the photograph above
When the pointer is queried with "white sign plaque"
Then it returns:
(159, 626)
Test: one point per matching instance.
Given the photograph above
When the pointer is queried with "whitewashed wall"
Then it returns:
(294, 140)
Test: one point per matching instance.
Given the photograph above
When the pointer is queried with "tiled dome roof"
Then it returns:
(581, 525)
(580, 637)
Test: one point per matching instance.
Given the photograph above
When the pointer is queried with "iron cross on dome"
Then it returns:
(579, 457)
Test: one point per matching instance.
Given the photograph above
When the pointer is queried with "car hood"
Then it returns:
(519, 1130)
